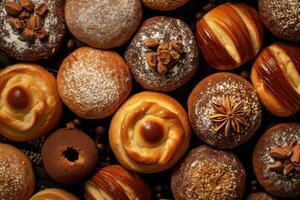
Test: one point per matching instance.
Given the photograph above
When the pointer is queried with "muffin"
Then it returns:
(103, 24)
(281, 17)
(16, 174)
(114, 182)
(224, 110)
(276, 78)
(93, 83)
(229, 35)
(69, 155)
(149, 133)
(164, 5)
(31, 30)
(163, 55)
(276, 160)
(30, 104)
(206, 173)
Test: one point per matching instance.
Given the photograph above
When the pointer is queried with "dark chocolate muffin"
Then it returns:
(276, 160)
(206, 173)
(224, 110)
(31, 30)
(163, 54)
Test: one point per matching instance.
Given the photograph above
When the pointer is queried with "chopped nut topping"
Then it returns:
(34, 23)
(12, 8)
(41, 9)
(28, 34)
(41, 33)
(164, 57)
(24, 14)
(277, 166)
(27, 4)
(150, 42)
(151, 59)
(280, 153)
(161, 68)
(16, 23)
(177, 46)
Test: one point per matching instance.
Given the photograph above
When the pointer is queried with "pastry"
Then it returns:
(259, 196)
(224, 110)
(93, 83)
(102, 23)
(276, 78)
(114, 182)
(149, 133)
(229, 35)
(69, 155)
(163, 55)
(276, 160)
(16, 174)
(164, 5)
(31, 30)
(53, 194)
(206, 173)
(281, 17)
(29, 102)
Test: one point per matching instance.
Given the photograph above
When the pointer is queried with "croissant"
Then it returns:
(149, 133)
(29, 102)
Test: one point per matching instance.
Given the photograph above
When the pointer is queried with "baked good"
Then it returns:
(276, 160)
(30, 104)
(276, 78)
(53, 194)
(31, 30)
(206, 173)
(102, 23)
(260, 196)
(114, 182)
(281, 17)
(163, 55)
(224, 110)
(229, 35)
(164, 5)
(93, 83)
(69, 155)
(16, 174)
(149, 133)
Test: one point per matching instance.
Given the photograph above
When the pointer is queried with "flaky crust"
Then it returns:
(17, 176)
(40, 109)
(164, 5)
(53, 193)
(93, 83)
(149, 133)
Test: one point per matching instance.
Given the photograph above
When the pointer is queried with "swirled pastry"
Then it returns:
(29, 102)
(149, 133)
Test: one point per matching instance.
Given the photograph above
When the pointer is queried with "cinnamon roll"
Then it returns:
(29, 102)
(149, 133)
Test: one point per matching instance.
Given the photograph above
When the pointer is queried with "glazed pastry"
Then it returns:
(224, 110)
(164, 4)
(69, 155)
(163, 54)
(260, 196)
(16, 174)
(206, 173)
(276, 77)
(276, 160)
(149, 133)
(29, 104)
(53, 194)
(31, 30)
(229, 35)
(281, 17)
(101, 23)
(114, 182)
(93, 83)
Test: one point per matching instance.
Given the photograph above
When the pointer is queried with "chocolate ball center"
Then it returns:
(18, 98)
(152, 131)
(71, 154)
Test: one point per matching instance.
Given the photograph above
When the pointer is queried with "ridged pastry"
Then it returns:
(29, 104)
(229, 35)
(116, 183)
(149, 133)
(276, 77)
(53, 194)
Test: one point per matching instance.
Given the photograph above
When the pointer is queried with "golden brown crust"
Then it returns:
(164, 5)
(17, 177)
(149, 113)
(30, 104)
(93, 83)
(53, 194)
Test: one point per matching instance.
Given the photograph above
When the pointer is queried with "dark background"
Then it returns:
(160, 183)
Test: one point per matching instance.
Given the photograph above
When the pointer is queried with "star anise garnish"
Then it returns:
(230, 115)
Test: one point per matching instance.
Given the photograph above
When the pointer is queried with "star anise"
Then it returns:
(230, 115)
